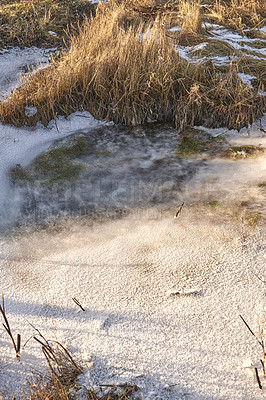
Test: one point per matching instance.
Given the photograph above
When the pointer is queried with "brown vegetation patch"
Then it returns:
(40, 22)
(189, 38)
(131, 75)
(237, 13)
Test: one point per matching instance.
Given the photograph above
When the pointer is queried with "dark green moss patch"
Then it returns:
(56, 165)
(187, 147)
(80, 147)
(18, 174)
(195, 141)
(58, 170)
(104, 153)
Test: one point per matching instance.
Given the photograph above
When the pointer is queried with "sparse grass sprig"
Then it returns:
(61, 364)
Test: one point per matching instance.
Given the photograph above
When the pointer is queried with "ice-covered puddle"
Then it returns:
(162, 295)
(121, 170)
(19, 146)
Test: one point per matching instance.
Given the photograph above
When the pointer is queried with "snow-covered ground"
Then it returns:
(15, 60)
(188, 345)
(191, 344)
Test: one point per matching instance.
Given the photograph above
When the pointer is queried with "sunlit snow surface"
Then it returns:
(125, 272)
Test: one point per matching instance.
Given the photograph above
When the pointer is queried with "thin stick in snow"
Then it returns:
(179, 210)
(250, 330)
(78, 303)
(257, 377)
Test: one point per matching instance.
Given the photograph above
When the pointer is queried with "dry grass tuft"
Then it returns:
(46, 389)
(256, 67)
(149, 10)
(62, 381)
(188, 38)
(185, 13)
(237, 13)
(216, 48)
(190, 14)
(131, 75)
(52, 389)
(191, 31)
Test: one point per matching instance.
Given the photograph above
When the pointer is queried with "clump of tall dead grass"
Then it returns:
(131, 75)
(226, 102)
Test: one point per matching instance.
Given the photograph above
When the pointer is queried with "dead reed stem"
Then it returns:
(6, 325)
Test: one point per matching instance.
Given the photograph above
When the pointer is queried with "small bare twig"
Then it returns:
(262, 344)
(263, 359)
(78, 303)
(257, 376)
(179, 210)
(37, 330)
(253, 334)
(258, 277)
(149, 370)
(8, 329)
(263, 366)
(18, 343)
